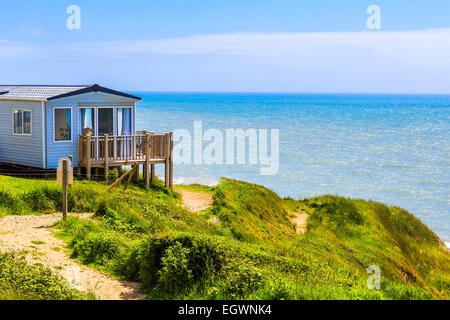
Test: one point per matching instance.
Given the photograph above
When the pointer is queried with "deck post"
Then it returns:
(136, 173)
(106, 155)
(166, 156)
(115, 148)
(171, 161)
(147, 159)
(152, 165)
(152, 173)
(88, 156)
(143, 140)
(64, 190)
(71, 161)
(80, 154)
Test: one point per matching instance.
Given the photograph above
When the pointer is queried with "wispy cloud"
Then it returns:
(14, 49)
(403, 61)
(34, 32)
(402, 44)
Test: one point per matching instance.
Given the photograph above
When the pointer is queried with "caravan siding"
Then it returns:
(21, 149)
(59, 149)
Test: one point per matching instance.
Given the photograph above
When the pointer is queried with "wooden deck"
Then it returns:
(143, 148)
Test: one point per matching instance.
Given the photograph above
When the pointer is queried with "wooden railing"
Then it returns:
(143, 148)
(124, 150)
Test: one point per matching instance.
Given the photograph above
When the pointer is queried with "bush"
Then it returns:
(278, 289)
(7, 200)
(118, 211)
(242, 280)
(122, 171)
(175, 262)
(219, 197)
(174, 272)
(44, 199)
(95, 248)
(83, 198)
(103, 210)
(113, 175)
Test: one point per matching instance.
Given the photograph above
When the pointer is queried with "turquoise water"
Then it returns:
(388, 148)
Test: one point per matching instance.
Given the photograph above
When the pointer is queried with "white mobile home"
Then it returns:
(96, 125)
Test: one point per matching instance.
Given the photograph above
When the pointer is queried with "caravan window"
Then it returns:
(124, 121)
(63, 124)
(22, 122)
(87, 118)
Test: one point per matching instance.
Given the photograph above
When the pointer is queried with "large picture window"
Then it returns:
(103, 120)
(63, 124)
(22, 122)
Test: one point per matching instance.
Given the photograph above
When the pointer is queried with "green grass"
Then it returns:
(254, 253)
(38, 242)
(195, 188)
(21, 281)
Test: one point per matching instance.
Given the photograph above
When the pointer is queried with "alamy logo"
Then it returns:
(374, 20)
(374, 281)
(215, 147)
(74, 20)
(74, 277)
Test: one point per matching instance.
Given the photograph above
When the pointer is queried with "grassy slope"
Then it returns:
(20, 281)
(253, 253)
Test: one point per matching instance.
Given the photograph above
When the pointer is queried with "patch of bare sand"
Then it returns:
(196, 202)
(300, 220)
(33, 235)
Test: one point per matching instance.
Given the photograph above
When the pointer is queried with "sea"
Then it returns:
(389, 148)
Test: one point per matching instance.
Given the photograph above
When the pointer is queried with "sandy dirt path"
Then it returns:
(300, 219)
(33, 235)
(194, 201)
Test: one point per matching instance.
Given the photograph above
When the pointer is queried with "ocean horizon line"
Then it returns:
(290, 93)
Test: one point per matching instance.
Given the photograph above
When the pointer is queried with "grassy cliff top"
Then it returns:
(245, 246)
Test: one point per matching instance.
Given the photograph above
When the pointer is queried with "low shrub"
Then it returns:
(97, 248)
(176, 262)
(278, 289)
(7, 200)
(84, 197)
(113, 175)
(43, 199)
(242, 280)
(103, 210)
(175, 272)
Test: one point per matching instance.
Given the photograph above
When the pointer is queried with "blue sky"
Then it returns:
(264, 46)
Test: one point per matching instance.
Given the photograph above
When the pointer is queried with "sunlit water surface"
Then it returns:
(388, 148)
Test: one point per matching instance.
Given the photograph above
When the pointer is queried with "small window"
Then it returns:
(22, 122)
(63, 125)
